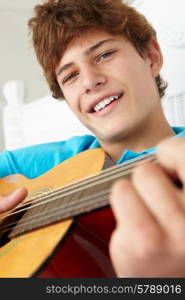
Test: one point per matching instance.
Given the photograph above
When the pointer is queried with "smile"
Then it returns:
(106, 102)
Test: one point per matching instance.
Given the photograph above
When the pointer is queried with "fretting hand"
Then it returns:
(149, 239)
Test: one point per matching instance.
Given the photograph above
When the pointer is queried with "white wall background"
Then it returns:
(17, 59)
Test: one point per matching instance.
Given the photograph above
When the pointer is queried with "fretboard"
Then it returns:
(74, 200)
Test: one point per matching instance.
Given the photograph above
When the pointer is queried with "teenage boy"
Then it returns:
(103, 58)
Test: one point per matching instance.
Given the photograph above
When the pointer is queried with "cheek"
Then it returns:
(73, 102)
(70, 98)
(141, 79)
(127, 72)
(72, 95)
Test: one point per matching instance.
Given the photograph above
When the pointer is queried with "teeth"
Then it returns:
(105, 102)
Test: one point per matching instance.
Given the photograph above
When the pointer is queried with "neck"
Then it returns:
(147, 135)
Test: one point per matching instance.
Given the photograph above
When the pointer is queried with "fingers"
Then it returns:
(117, 252)
(161, 196)
(150, 215)
(130, 211)
(152, 194)
(8, 202)
(137, 234)
(171, 155)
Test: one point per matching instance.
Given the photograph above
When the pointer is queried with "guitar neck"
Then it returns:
(79, 198)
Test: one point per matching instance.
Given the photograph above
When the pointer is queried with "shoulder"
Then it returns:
(35, 160)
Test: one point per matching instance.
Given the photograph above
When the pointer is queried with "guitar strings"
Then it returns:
(89, 200)
(54, 198)
(70, 204)
(103, 200)
(62, 206)
(81, 185)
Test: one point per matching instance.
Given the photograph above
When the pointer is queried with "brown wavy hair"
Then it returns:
(57, 22)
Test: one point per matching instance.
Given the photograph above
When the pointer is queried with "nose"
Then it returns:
(93, 79)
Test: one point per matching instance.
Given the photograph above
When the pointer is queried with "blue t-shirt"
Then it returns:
(35, 160)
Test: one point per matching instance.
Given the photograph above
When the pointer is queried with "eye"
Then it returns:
(70, 77)
(105, 55)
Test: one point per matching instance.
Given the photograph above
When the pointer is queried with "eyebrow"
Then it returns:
(87, 52)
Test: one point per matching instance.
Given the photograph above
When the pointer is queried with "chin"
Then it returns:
(111, 139)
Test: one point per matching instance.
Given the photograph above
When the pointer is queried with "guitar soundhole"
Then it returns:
(4, 240)
(7, 226)
(4, 231)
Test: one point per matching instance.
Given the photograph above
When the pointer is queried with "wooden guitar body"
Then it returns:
(84, 250)
(75, 247)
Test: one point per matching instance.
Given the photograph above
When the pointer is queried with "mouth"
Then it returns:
(105, 102)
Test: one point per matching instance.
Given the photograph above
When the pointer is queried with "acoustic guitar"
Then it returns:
(63, 227)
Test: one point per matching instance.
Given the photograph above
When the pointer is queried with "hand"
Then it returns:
(9, 201)
(149, 239)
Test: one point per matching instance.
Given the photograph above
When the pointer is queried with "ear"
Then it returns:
(154, 57)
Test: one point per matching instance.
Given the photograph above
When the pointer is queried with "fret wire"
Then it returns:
(52, 195)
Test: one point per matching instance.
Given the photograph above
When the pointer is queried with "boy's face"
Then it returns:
(108, 85)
